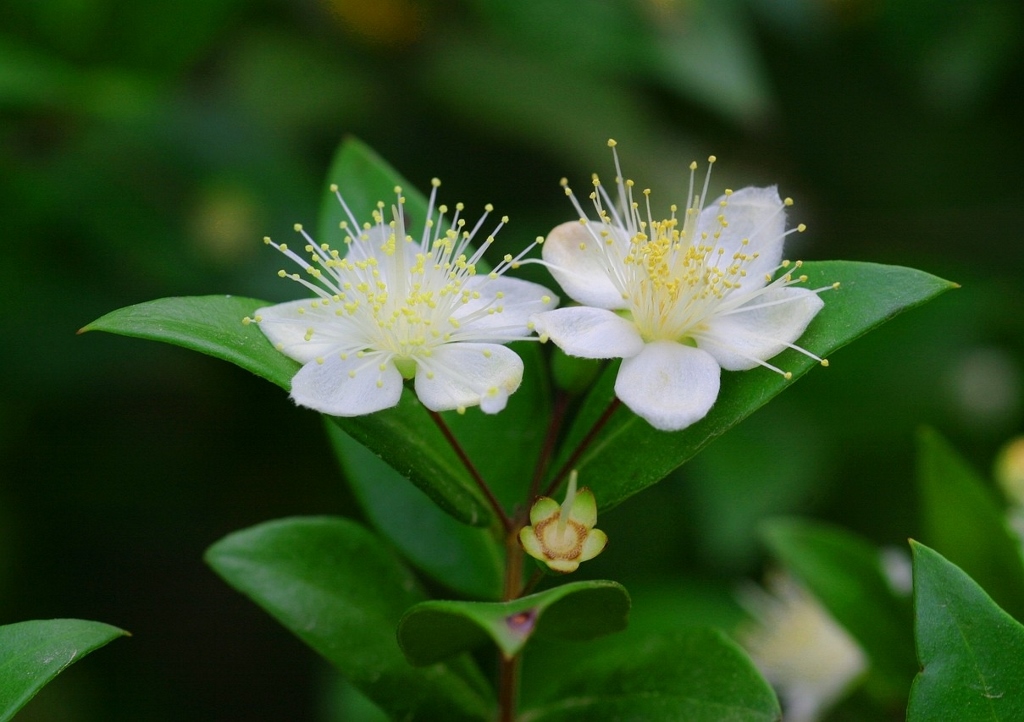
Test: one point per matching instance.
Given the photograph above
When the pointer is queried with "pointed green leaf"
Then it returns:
(208, 324)
(869, 295)
(963, 521)
(697, 675)
(404, 435)
(844, 573)
(342, 591)
(971, 651)
(465, 559)
(33, 653)
(435, 630)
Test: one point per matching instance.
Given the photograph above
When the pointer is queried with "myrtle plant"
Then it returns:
(483, 452)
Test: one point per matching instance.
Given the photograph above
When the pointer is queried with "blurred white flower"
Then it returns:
(799, 648)
(390, 307)
(678, 299)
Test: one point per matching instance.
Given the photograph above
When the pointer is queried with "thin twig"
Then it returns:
(582, 446)
(506, 522)
(550, 437)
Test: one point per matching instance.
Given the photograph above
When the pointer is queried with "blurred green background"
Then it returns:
(146, 148)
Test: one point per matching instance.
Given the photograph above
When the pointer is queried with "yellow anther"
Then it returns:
(801, 228)
(712, 159)
(297, 227)
(435, 182)
(246, 321)
(787, 201)
(266, 239)
(788, 375)
(612, 143)
(693, 165)
(824, 362)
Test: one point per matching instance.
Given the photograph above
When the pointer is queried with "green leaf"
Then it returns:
(963, 521)
(33, 653)
(970, 650)
(697, 675)
(466, 559)
(869, 295)
(208, 324)
(844, 573)
(342, 591)
(404, 435)
(435, 630)
(364, 179)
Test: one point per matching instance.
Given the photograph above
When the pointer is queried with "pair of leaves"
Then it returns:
(344, 593)
(33, 653)
(434, 630)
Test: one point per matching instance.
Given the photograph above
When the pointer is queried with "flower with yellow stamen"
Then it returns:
(677, 298)
(390, 307)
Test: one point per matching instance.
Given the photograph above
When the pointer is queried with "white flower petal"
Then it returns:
(459, 375)
(288, 326)
(752, 213)
(759, 329)
(349, 387)
(511, 312)
(669, 385)
(585, 274)
(589, 332)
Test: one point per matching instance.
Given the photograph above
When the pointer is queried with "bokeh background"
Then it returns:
(146, 147)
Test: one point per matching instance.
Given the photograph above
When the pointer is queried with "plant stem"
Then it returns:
(550, 437)
(508, 669)
(508, 687)
(582, 446)
(506, 522)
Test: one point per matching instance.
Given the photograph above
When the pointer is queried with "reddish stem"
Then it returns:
(582, 446)
(506, 522)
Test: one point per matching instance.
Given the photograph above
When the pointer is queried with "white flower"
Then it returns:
(799, 648)
(390, 307)
(678, 299)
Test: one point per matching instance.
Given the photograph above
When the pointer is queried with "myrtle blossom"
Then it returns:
(678, 299)
(389, 307)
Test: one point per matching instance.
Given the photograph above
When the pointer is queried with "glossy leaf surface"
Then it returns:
(32, 653)
(698, 675)
(434, 630)
(342, 591)
(970, 650)
(404, 435)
